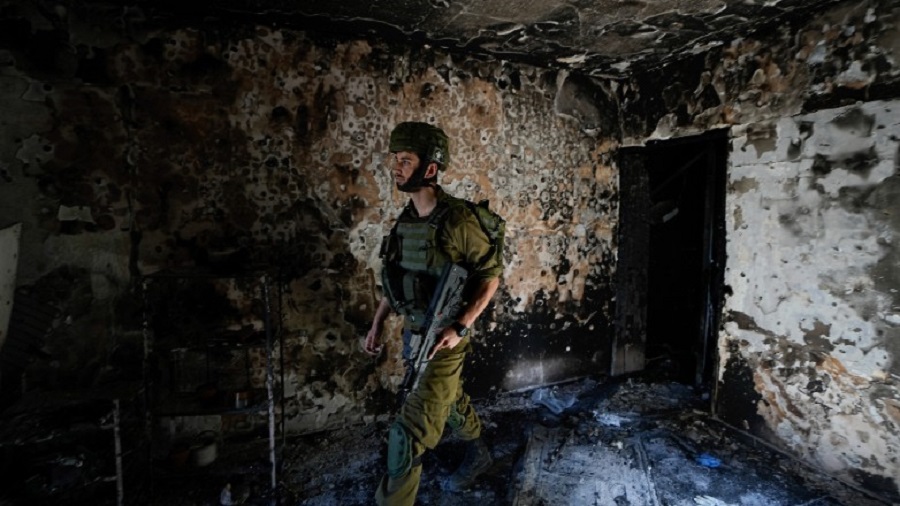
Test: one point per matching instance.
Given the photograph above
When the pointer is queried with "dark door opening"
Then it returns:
(686, 257)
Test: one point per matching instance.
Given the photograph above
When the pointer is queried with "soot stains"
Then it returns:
(846, 130)
(817, 334)
(584, 99)
(821, 166)
(746, 322)
(855, 198)
(883, 485)
(855, 122)
(860, 162)
(883, 200)
(280, 115)
(738, 398)
(762, 137)
(896, 158)
(93, 66)
(793, 222)
(884, 197)
(806, 130)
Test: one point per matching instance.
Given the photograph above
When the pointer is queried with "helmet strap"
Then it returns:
(418, 180)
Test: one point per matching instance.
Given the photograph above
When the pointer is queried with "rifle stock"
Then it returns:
(442, 310)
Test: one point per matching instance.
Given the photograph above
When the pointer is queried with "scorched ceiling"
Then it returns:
(598, 37)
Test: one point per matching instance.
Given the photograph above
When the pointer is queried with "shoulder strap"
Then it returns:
(439, 215)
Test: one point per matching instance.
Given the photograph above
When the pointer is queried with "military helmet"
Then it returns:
(423, 139)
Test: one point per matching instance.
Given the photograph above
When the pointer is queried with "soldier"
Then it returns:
(433, 229)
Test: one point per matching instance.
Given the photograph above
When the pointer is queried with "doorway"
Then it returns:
(672, 224)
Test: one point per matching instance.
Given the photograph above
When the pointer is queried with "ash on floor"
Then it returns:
(616, 443)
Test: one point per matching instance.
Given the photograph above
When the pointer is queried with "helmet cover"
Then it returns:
(422, 139)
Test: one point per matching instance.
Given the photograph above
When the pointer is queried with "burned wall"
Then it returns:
(134, 142)
(813, 325)
(807, 350)
(841, 56)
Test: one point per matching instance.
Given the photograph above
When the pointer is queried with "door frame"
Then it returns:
(628, 346)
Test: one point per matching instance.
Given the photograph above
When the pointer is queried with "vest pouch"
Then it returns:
(390, 248)
(414, 293)
(392, 286)
(392, 274)
(423, 289)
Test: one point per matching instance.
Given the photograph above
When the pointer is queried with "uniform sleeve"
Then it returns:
(466, 243)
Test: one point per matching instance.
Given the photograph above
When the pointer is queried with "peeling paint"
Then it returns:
(807, 311)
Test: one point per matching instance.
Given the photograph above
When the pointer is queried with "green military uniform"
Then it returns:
(439, 399)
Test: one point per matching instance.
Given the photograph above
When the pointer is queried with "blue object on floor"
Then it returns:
(707, 460)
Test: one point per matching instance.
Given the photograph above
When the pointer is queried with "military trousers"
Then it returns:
(438, 401)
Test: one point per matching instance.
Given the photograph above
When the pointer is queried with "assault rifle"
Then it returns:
(442, 310)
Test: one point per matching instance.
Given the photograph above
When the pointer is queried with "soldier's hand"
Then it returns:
(373, 344)
(449, 340)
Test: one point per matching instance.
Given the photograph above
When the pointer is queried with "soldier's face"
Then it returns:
(404, 164)
(406, 171)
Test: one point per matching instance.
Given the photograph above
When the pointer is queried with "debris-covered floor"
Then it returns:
(630, 442)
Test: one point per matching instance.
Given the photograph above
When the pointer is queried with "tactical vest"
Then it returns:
(413, 261)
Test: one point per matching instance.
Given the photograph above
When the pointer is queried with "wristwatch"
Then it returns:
(461, 330)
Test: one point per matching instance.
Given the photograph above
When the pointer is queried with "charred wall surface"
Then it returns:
(813, 325)
(844, 55)
(132, 143)
(807, 351)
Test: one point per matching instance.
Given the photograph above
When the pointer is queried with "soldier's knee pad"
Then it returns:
(400, 451)
(455, 420)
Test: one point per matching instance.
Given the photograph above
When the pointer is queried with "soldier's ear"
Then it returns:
(431, 170)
